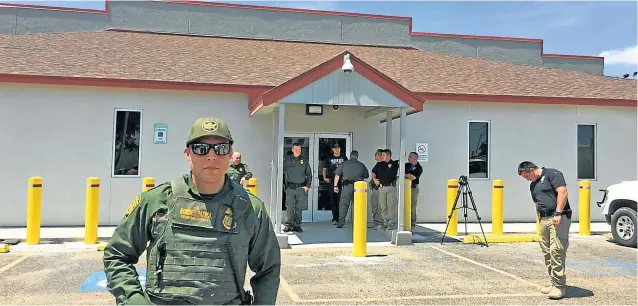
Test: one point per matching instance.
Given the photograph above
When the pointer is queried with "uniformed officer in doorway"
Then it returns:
(330, 164)
(297, 181)
(384, 175)
(203, 231)
(549, 192)
(377, 216)
(413, 171)
(350, 171)
(238, 171)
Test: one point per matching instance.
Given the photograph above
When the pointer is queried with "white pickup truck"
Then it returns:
(619, 207)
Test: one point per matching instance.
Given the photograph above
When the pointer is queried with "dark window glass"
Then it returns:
(478, 150)
(126, 154)
(586, 152)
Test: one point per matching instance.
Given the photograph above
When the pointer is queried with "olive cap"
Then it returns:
(209, 126)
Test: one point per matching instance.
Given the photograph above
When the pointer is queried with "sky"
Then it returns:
(595, 28)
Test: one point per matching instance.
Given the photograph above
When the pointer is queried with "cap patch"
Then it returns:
(209, 126)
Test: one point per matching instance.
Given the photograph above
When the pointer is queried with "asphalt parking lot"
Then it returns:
(598, 271)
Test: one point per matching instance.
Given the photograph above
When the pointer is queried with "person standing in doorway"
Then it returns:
(238, 171)
(377, 215)
(384, 175)
(297, 181)
(351, 171)
(330, 164)
(549, 192)
(413, 171)
(200, 233)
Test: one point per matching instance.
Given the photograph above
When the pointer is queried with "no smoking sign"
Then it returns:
(422, 150)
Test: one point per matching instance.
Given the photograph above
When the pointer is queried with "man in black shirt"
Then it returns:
(384, 175)
(549, 192)
(413, 171)
(330, 164)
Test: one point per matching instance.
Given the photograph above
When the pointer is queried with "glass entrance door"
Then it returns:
(315, 148)
(324, 144)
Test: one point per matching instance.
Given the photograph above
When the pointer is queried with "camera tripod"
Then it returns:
(464, 187)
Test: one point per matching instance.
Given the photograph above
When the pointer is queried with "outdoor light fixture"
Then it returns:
(347, 65)
(314, 110)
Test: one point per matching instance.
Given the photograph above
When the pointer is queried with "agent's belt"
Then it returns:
(545, 213)
(348, 182)
(391, 184)
(295, 185)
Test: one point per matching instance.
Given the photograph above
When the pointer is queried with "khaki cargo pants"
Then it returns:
(388, 204)
(554, 243)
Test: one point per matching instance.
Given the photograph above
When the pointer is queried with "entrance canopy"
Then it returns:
(343, 80)
(359, 84)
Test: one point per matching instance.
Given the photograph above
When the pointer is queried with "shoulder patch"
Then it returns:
(133, 205)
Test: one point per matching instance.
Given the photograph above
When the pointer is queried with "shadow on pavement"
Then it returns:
(577, 292)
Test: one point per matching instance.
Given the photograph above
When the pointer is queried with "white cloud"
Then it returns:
(627, 55)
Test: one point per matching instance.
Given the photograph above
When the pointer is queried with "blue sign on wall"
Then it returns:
(97, 281)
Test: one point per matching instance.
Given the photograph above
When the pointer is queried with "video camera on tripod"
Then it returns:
(464, 186)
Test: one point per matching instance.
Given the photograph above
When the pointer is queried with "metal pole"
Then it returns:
(280, 164)
(401, 174)
(388, 130)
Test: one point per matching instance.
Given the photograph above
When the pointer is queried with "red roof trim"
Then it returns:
(58, 8)
(255, 92)
(272, 96)
(291, 10)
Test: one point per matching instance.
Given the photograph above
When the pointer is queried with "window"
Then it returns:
(126, 143)
(479, 136)
(586, 154)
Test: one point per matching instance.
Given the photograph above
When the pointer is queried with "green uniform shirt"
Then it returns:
(136, 229)
(352, 170)
(236, 172)
(297, 171)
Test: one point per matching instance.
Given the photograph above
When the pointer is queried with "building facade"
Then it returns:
(87, 94)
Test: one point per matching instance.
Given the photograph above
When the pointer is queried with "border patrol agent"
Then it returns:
(203, 231)
(377, 215)
(384, 175)
(297, 181)
(238, 171)
(352, 170)
(549, 192)
(413, 171)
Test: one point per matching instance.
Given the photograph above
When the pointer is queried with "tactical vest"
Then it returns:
(188, 260)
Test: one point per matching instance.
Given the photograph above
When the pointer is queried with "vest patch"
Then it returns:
(133, 205)
(228, 219)
(195, 214)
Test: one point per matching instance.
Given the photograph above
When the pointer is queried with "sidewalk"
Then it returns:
(107, 231)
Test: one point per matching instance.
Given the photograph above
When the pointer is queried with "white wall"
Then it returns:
(543, 134)
(65, 135)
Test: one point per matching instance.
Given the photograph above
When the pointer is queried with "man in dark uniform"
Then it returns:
(330, 164)
(351, 171)
(413, 171)
(377, 216)
(202, 231)
(549, 192)
(297, 180)
(384, 175)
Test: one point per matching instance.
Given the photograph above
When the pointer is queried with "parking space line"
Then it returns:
(291, 293)
(488, 267)
(14, 263)
(423, 297)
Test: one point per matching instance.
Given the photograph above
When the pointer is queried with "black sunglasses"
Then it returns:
(204, 148)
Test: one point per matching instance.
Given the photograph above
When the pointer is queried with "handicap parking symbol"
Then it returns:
(96, 281)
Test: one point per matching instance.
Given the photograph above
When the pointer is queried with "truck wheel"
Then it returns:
(623, 226)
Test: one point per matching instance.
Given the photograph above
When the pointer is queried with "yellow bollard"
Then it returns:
(251, 185)
(497, 207)
(34, 210)
(360, 220)
(92, 210)
(584, 215)
(407, 204)
(452, 188)
(148, 183)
